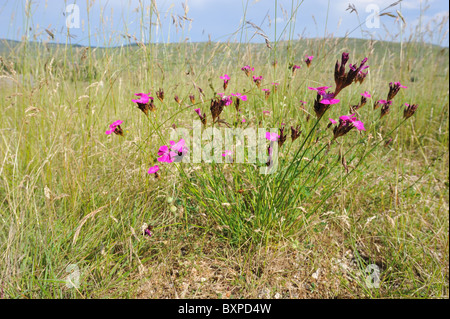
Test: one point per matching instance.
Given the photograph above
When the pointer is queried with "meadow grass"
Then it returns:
(70, 194)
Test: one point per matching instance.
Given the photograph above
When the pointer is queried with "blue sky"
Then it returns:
(111, 20)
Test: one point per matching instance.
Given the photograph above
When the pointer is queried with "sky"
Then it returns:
(119, 22)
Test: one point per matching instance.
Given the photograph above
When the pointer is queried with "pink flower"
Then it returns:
(202, 117)
(178, 147)
(153, 169)
(240, 96)
(166, 155)
(225, 78)
(272, 136)
(115, 128)
(346, 123)
(359, 125)
(366, 94)
(266, 112)
(227, 100)
(144, 98)
(294, 67)
(247, 68)
(309, 57)
(243, 121)
(320, 89)
(393, 89)
(399, 85)
(227, 153)
(328, 98)
(332, 121)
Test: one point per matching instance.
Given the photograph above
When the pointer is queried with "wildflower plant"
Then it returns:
(286, 173)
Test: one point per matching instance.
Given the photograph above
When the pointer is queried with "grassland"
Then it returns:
(69, 194)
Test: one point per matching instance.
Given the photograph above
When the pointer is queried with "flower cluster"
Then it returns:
(346, 123)
(247, 69)
(257, 80)
(343, 78)
(324, 99)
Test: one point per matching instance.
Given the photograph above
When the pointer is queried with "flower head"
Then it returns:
(343, 78)
(154, 170)
(346, 123)
(328, 98)
(217, 106)
(160, 95)
(228, 155)
(394, 88)
(115, 128)
(167, 156)
(366, 94)
(385, 105)
(282, 137)
(320, 89)
(145, 102)
(323, 100)
(272, 136)
(179, 148)
(202, 117)
(238, 99)
(257, 80)
(409, 110)
(247, 69)
(225, 79)
(266, 93)
(308, 60)
(295, 132)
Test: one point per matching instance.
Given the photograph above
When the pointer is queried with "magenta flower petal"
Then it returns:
(272, 136)
(359, 125)
(178, 147)
(144, 98)
(329, 101)
(320, 88)
(153, 169)
(332, 121)
(366, 94)
(227, 153)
